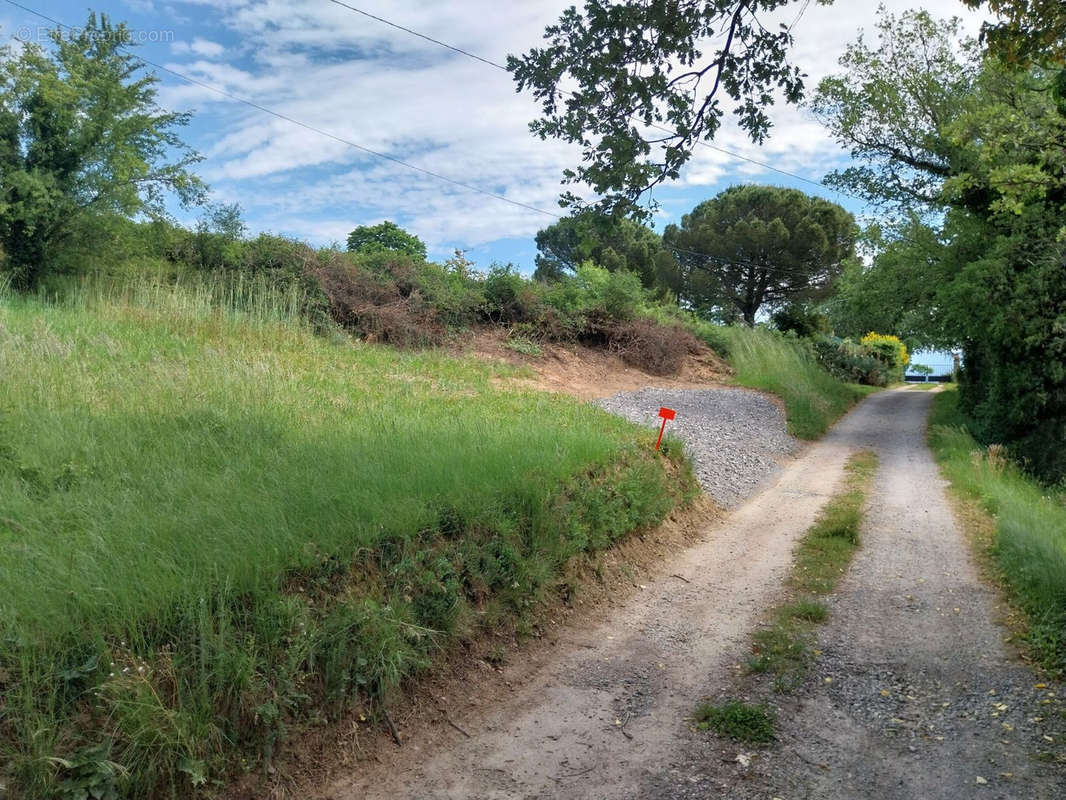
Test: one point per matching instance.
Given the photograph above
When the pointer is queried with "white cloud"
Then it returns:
(200, 47)
(396, 94)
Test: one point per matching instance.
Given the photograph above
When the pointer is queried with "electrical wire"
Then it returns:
(773, 268)
(657, 127)
(307, 126)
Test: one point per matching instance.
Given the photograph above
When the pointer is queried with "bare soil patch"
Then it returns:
(588, 372)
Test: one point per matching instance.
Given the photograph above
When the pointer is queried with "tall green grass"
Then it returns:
(813, 398)
(256, 297)
(1030, 519)
(218, 527)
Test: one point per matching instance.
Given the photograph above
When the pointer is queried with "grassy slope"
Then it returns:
(217, 527)
(1030, 521)
(813, 398)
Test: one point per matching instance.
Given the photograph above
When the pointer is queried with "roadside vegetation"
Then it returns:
(1029, 519)
(784, 648)
(742, 722)
(220, 527)
(243, 489)
(787, 367)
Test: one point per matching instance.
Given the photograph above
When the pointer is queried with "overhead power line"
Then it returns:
(195, 82)
(437, 42)
(307, 126)
(664, 129)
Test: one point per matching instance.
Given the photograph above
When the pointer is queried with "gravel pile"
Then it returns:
(735, 438)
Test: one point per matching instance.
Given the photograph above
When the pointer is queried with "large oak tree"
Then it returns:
(637, 84)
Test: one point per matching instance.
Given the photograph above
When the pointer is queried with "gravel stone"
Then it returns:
(735, 438)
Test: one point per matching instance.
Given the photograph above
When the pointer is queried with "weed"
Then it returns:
(784, 648)
(805, 610)
(524, 345)
(1029, 519)
(754, 724)
(826, 549)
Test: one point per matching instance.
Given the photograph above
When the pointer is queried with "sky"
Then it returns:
(361, 80)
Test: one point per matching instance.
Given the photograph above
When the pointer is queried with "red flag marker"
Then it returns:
(665, 413)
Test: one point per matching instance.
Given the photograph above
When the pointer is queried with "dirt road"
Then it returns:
(606, 717)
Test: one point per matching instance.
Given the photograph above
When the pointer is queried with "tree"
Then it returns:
(891, 104)
(385, 236)
(225, 220)
(616, 243)
(637, 84)
(216, 243)
(761, 246)
(1028, 31)
(995, 283)
(896, 292)
(802, 319)
(80, 134)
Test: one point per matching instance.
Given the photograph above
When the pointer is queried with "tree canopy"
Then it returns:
(385, 236)
(616, 243)
(989, 274)
(755, 247)
(637, 84)
(80, 133)
(890, 106)
(1027, 31)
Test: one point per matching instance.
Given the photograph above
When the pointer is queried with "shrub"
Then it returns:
(275, 255)
(647, 345)
(382, 305)
(890, 350)
(623, 295)
(457, 299)
(506, 295)
(852, 362)
(800, 320)
(710, 333)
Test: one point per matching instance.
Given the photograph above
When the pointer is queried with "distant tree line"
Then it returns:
(748, 250)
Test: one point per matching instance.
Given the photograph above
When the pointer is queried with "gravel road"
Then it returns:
(609, 707)
(735, 438)
(915, 697)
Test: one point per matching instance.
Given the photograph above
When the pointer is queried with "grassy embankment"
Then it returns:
(813, 398)
(1029, 519)
(218, 527)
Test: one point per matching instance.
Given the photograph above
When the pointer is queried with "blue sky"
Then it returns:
(389, 91)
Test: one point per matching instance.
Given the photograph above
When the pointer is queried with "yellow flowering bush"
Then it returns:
(888, 348)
